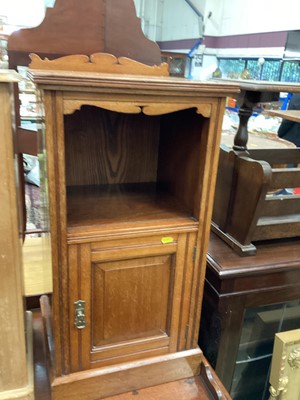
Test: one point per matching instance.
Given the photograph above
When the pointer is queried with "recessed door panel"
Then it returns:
(131, 299)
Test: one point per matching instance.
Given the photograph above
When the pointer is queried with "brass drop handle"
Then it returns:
(80, 314)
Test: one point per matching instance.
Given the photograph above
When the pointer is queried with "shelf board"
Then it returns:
(122, 208)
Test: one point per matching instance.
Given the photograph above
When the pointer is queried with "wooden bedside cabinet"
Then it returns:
(131, 157)
(131, 170)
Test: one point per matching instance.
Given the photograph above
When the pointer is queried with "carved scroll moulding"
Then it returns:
(107, 63)
(70, 106)
(99, 62)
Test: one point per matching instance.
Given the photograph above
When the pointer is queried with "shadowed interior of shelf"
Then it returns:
(131, 168)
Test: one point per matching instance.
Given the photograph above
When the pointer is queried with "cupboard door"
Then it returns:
(133, 299)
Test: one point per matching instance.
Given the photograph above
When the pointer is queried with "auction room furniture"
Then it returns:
(131, 169)
(16, 377)
(246, 209)
(252, 93)
(246, 301)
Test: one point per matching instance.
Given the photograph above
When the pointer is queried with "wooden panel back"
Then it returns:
(224, 185)
(281, 205)
(253, 179)
(285, 177)
(179, 156)
(92, 26)
(278, 228)
(105, 147)
(124, 36)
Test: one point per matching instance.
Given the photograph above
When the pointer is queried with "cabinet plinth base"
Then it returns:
(96, 384)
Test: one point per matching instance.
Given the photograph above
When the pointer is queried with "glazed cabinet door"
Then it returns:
(134, 295)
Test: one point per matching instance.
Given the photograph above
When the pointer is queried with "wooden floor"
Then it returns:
(186, 389)
(37, 272)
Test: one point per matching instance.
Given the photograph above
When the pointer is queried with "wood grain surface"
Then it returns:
(13, 362)
(120, 183)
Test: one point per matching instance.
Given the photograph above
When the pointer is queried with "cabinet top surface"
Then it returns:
(263, 86)
(72, 80)
(271, 256)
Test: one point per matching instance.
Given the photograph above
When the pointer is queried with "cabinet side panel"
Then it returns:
(179, 152)
(208, 167)
(106, 147)
(57, 202)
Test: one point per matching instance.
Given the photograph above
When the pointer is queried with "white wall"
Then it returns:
(234, 17)
(212, 25)
(174, 19)
(150, 13)
(23, 13)
(164, 20)
(180, 21)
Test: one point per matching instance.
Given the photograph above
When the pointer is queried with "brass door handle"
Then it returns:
(79, 321)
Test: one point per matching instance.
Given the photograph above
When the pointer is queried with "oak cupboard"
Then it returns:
(131, 165)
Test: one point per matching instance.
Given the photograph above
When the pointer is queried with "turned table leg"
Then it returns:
(247, 100)
(241, 137)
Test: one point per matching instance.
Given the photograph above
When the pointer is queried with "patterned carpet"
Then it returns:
(33, 214)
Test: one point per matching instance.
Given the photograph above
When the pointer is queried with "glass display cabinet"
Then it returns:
(252, 366)
(246, 301)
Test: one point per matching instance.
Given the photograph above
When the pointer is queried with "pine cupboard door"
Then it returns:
(136, 294)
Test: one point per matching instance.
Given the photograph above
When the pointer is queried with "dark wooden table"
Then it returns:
(252, 93)
(233, 285)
